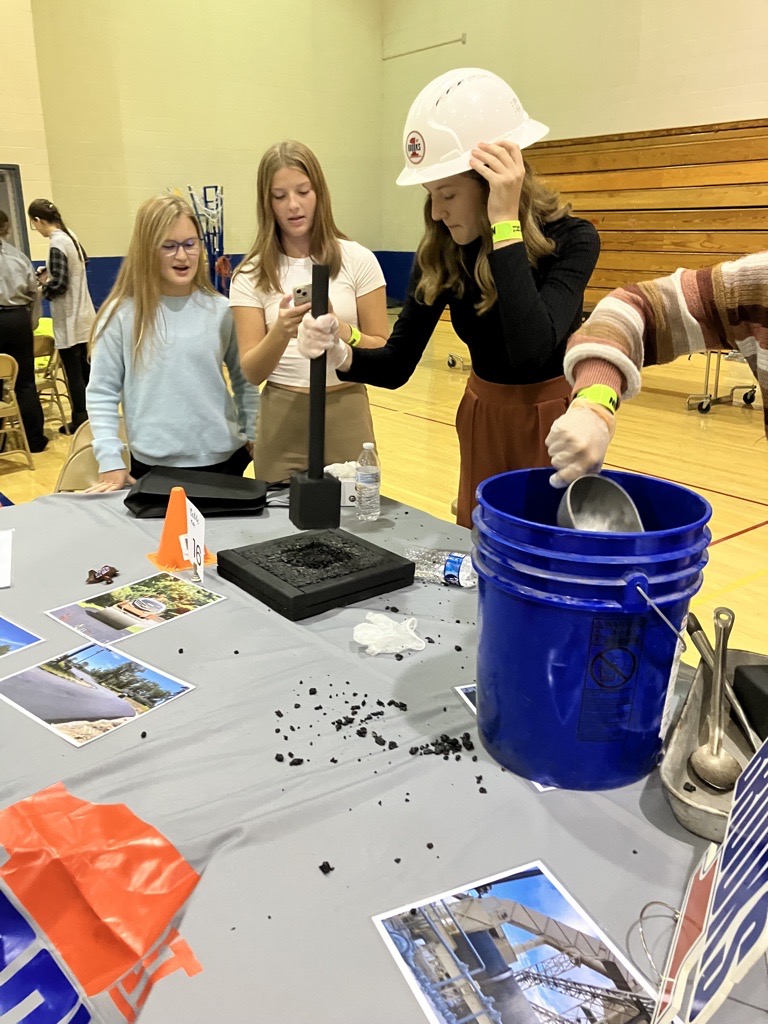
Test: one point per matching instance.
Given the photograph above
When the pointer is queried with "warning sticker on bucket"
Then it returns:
(610, 679)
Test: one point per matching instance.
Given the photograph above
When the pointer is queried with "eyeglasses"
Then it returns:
(189, 245)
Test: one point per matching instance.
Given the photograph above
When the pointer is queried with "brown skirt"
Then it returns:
(502, 427)
(282, 434)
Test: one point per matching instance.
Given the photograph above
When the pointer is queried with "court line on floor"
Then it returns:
(739, 533)
(415, 415)
(672, 480)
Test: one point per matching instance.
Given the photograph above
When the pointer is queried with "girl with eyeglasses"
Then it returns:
(159, 345)
(65, 286)
(297, 229)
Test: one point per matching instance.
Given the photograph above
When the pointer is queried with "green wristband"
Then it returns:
(354, 336)
(507, 231)
(600, 394)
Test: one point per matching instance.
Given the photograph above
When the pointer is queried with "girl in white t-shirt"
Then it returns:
(296, 229)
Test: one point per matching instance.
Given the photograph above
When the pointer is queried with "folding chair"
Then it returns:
(11, 425)
(80, 471)
(51, 386)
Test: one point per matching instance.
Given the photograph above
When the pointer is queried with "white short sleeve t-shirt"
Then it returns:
(360, 274)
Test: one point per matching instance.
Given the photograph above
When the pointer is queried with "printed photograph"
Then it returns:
(468, 695)
(115, 614)
(90, 691)
(13, 638)
(513, 949)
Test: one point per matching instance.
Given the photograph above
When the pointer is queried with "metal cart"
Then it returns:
(707, 398)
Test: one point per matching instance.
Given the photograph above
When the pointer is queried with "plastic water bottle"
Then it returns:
(368, 483)
(453, 567)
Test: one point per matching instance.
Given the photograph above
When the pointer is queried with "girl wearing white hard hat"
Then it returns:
(502, 252)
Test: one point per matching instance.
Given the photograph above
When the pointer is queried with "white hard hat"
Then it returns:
(452, 114)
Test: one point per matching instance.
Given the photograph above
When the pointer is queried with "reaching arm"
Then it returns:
(392, 365)
(654, 322)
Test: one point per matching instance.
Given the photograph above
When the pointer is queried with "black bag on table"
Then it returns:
(215, 494)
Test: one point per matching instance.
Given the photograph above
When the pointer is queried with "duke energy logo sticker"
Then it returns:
(88, 896)
(415, 147)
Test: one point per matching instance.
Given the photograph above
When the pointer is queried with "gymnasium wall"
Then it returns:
(142, 95)
(583, 67)
(22, 134)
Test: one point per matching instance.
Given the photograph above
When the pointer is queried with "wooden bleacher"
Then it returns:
(678, 197)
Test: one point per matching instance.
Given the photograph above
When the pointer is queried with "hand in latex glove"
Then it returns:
(322, 335)
(578, 441)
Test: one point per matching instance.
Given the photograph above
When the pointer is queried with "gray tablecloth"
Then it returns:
(278, 940)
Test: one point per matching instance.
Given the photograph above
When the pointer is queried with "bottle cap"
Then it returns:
(369, 445)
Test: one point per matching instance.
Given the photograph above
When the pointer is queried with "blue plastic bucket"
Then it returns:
(573, 662)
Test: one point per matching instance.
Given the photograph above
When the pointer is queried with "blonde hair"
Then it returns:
(264, 255)
(440, 259)
(139, 276)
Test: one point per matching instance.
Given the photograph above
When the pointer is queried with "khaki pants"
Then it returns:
(502, 427)
(282, 435)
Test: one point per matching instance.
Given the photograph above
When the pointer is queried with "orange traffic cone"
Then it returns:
(169, 555)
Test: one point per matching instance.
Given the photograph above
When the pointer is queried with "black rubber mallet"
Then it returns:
(315, 496)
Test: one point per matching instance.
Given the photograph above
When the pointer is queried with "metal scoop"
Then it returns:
(701, 642)
(599, 505)
(710, 761)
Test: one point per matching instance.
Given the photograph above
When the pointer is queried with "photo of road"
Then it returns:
(56, 699)
(89, 691)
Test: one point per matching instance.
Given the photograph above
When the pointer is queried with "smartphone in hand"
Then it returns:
(302, 294)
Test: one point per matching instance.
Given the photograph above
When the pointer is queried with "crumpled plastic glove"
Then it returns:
(382, 635)
(342, 470)
(578, 441)
(320, 335)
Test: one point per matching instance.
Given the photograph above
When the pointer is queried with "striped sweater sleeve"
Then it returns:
(656, 321)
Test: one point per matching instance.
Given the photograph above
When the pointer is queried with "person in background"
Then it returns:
(296, 228)
(720, 307)
(159, 345)
(503, 253)
(66, 288)
(19, 313)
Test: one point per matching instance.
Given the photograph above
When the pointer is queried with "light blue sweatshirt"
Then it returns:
(177, 407)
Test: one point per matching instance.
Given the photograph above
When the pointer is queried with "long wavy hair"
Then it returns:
(440, 259)
(44, 209)
(263, 258)
(139, 275)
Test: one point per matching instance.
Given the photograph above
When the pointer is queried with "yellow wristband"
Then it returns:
(600, 394)
(354, 336)
(507, 231)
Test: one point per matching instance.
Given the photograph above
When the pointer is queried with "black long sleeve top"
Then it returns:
(521, 339)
